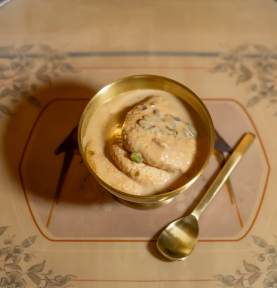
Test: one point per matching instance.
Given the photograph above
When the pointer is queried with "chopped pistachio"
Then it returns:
(143, 123)
(192, 129)
(157, 112)
(172, 117)
(142, 107)
(174, 124)
(187, 133)
(169, 128)
(176, 132)
(152, 128)
(92, 153)
(137, 173)
(136, 157)
(153, 104)
(147, 118)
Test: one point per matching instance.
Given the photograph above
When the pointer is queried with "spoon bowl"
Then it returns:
(179, 238)
(170, 245)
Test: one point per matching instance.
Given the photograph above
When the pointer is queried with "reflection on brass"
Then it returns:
(148, 82)
(144, 206)
(179, 238)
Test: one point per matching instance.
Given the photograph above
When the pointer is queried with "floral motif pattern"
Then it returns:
(15, 276)
(259, 70)
(13, 280)
(253, 272)
(21, 73)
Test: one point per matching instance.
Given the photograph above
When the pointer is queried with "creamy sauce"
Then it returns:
(111, 116)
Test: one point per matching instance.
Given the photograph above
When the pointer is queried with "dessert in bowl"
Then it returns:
(146, 139)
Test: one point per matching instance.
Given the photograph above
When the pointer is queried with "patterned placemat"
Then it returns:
(53, 58)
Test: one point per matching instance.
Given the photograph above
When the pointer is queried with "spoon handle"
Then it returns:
(224, 173)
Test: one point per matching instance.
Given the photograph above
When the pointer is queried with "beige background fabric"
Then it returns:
(54, 55)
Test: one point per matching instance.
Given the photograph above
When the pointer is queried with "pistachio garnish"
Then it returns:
(143, 123)
(187, 133)
(137, 173)
(157, 112)
(176, 132)
(177, 119)
(169, 128)
(152, 128)
(142, 107)
(92, 153)
(174, 124)
(147, 118)
(136, 157)
(192, 129)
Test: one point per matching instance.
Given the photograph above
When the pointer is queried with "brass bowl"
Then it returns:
(147, 82)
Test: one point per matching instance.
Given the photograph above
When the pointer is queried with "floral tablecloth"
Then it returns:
(54, 56)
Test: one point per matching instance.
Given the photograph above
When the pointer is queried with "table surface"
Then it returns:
(54, 56)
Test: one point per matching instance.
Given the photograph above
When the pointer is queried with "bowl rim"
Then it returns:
(152, 196)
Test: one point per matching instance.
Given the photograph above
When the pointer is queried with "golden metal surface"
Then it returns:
(147, 82)
(144, 206)
(180, 237)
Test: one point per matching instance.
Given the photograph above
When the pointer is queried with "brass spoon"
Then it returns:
(179, 238)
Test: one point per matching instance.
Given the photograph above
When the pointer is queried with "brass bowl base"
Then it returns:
(144, 206)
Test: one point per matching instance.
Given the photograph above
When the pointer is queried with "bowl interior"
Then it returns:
(157, 83)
